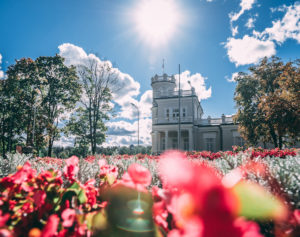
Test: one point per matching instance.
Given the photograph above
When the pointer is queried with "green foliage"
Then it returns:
(35, 95)
(268, 102)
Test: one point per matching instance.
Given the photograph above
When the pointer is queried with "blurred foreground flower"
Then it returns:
(202, 205)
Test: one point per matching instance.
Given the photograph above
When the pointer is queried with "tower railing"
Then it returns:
(166, 94)
(162, 78)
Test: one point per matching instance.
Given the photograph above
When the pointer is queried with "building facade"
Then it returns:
(196, 133)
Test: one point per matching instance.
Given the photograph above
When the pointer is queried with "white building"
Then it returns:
(212, 134)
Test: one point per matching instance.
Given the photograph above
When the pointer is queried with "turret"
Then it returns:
(163, 85)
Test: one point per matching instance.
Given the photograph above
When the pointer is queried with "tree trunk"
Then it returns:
(50, 144)
(273, 135)
(3, 143)
(280, 141)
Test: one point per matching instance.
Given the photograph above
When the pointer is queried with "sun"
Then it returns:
(156, 20)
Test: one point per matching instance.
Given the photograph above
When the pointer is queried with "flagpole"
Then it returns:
(179, 122)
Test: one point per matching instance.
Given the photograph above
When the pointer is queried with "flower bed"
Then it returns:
(176, 194)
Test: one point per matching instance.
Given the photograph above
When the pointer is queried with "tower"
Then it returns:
(162, 85)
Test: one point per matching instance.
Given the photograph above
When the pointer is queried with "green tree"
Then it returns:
(268, 101)
(18, 97)
(98, 80)
(59, 91)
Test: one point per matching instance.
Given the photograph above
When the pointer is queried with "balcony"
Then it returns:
(171, 120)
(215, 121)
(162, 78)
(170, 94)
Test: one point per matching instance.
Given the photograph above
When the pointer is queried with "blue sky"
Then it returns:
(212, 40)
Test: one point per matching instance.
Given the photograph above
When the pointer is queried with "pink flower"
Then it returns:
(39, 198)
(68, 216)
(296, 215)
(72, 168)
(3, 219)
(139, 174)
(247, 228)
(23, 174)
(5, 233)
(50, 228)
(91, 192)
(201, 205)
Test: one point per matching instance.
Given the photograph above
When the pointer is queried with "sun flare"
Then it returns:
(156, 20)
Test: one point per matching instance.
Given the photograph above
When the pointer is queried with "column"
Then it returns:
(155, 142)
(166, 140)
(191, 142)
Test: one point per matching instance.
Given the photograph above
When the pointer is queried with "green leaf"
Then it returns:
(257, 203)
(75, 185)
(57, 208)
(56, 200)
(110, 178)
(99, 221)
(82, 197)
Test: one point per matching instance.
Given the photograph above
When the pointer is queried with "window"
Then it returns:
(210, 144)
(175, 113)
(183, 112)
(163, 144)
(174, 143)
(167, 113)
(238, 141)
(186, 144)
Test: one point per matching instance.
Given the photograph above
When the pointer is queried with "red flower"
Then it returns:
(139, 174)
(200, 204)
(68, 216)
(3, 219)
(247, 228)
(5, 233)
(23, 174)
(106, 169)
(39, 198)
(91, 192)
(72, 168)
(50, 228)
(297, 216)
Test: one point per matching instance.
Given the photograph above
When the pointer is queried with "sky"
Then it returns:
(212, 40)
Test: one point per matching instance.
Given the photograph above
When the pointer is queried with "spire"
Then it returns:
(163, 66)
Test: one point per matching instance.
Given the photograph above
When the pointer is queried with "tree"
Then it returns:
(99, 81)
(34, 97)
(18, 96)
(59, 91)
(268, 102)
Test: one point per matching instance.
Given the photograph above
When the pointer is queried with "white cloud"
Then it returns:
(130, 88)
(232, 78)
(122, 133)
(248, 50)
(145, 104)
(1, 72)
(197, 81)
(245, 5)
(234, 30)
(130, 112)
(64, 142)
(287, 27)
(250, 23)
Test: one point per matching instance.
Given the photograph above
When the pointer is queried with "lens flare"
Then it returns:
(156, 20)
